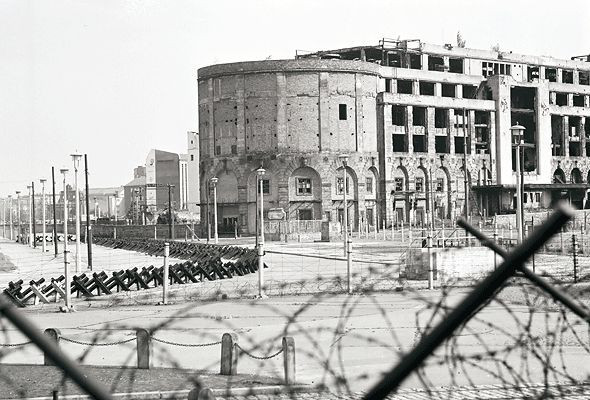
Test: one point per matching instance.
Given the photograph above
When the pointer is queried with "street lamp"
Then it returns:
(344, 159)
(517, 134)
(214, 181)
(30, 218)
(76, 160)
(43, 212)
(260, 173)
(18, 216)
(64, 171)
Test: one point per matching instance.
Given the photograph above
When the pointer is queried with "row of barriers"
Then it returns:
(204, 264)
(231, 351)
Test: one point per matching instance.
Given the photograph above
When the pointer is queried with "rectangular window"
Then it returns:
(440, 185)
(342, 112)
(234, 149)
(399, 184)
(426, 88)
(398, 115)
(369, 184)
(388, 85)
(440, 117)
(217, 150)
(419, 184)
(192, 157)
(265, 186)
(304, 214)
(538, 197)
(404, 86)
(370, 216)
(340, 185)
(303, 186)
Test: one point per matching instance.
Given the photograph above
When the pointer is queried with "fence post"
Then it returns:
(581, 240)
(155, 231)
(430, 271)
(383, 229)
(229, 354)
(114, 232)
(575, 255)
(349, 266)
(392, 232)
(261, 294)
(54, 334)
(144, 348)
(165, 272)
(289, 360)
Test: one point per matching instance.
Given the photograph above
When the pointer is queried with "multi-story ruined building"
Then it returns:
(410, 115)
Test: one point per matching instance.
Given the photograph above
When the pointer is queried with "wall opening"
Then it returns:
(459, 144)
(419, 116)
(561, 99)
(415, 61)
(388, 85)
(404, 86)
(522, 98)
(342, 112)
(398, 115)
(441, 144)
(567, 76)
(482, 132)
(529, 153)
(448, 90)
(557, 135)
(419, 142)
(584, 77)
(469, 91)
(532, 73)
(575, 133)
(551, 74)
(435, 63)
(456, 65)
(440, 118)
(578, 100)
(399, 143)
(427, 88)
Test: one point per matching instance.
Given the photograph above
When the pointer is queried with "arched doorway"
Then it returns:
(227, 202)
(351, 196)
(305, 195)
(399, 194)
(576, 176)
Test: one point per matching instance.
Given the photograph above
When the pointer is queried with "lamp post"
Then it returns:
(64, 172)
(10, 216)
(30, 218)
(214, 181)
(18, 217)
(344, 159)
(76, 160)
(517, 134)
(43, 210)
(260, 173)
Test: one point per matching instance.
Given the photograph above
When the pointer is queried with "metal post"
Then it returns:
(54, 211)
(261, 294)
(345, 210)
(43, 215)
(66, 263)
(261, 212)
(518, 195)
(215, 228)
(165, 279)
(496, 241)
(88, 225)
(18, 218)
(465, 176)
(34, 233)
(30, 219)
(349, 266)
(575, 257)
(170, 212)
(430, 266)
(10, 217)
(76, 160)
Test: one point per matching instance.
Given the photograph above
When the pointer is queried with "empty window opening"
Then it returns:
(529, 154)
(266, 186)
(303, 186)
(532, 73)
(459, 120)
(561, 99)
(415, 61)
(557, 138)
(427, 88)
(419, 184)
(394, 59)
(551, 74)
(436, 63)
(575, 149)
(399, 143)
(567, 76)
(404, 87)
(419, 142)
(456, 65)
(217, 150)
(304, 214)
(459, 145)
(469, 91)
(388, 85)
(522, 98)
(369, 184)
(574, 125)
(578, 100)
(398, 115)
(419, 116)
(440, 118)
(584, 78)
(234, 149)
(448, 90)
(482, 133)
(441, 144)
(342, 112)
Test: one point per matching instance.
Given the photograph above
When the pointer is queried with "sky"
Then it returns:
(115, 78)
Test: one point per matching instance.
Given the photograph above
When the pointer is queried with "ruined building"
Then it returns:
(410, 115)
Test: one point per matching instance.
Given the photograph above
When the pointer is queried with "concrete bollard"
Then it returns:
(114, 232)
(289, 360)
(144, 348)
(229, 354)
(54, 335)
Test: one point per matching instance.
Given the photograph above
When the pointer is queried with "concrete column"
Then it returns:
(409, 128)
(582, 127)
(54, 335)
(229, 354)
(446, 62)
(459, 91)
(144, 348)
(430, 131)
(586, 101)
(576, 77)
(552, 98)
(451, 131)
(559, 74)
(394, 86)
(240, 115)
(324, 111)
(471, 129)
(424, 61)
(438, 89)
(289, 360)
(570, 99)
(416, 87)
(358, 90)
(541, 72)
(281, 139)
(566, 135)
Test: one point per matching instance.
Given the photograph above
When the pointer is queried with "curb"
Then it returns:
(183, 394)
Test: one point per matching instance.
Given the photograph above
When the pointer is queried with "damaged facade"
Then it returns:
(410, 115)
